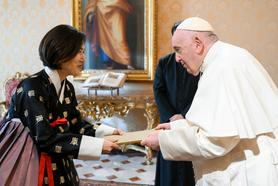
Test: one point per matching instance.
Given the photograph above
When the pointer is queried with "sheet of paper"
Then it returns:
(130, 137)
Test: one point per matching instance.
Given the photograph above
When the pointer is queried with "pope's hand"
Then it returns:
(176, 117)
(163, 126)
(152, 141)
(109, 145)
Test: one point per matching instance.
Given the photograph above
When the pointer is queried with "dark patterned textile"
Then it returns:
(37, 105)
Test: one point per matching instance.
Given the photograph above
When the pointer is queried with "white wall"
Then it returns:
(250, 24)
(23, 23)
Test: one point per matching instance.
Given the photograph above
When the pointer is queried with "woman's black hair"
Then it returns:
(59, 45)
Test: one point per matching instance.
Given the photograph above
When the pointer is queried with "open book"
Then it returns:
(109, 79)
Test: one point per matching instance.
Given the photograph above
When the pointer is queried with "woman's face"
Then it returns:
(75, 65)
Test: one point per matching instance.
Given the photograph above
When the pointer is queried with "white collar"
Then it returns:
(55, 78)
(210, 55)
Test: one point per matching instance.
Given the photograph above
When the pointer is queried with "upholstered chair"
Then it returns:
(9, 88)
(11, 84)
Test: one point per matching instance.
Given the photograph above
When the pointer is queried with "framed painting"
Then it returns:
(120, 36)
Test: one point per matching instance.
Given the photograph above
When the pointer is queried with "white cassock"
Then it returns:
(229, 130)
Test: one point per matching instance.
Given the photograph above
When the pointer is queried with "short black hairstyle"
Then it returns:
(174, 27)
(59, 45)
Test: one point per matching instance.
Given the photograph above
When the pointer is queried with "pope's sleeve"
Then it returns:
(191, 143)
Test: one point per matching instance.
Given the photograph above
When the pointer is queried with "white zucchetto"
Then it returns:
(195, 24)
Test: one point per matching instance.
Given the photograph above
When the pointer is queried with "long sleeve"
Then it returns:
(49, 139)
(78, 125)
(174, 88)
(192, 143)
(185, 110)
(161, 94)
(90, 147)
(235, 95)
(37, 105)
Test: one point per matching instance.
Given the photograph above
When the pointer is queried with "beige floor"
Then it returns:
(124, 169)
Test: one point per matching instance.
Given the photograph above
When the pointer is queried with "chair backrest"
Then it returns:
(11, 84)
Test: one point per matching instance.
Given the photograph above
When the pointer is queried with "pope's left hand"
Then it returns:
(152, 141)
(176, 117)
(118, 132)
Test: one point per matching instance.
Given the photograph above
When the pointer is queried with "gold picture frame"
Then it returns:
(146, 58)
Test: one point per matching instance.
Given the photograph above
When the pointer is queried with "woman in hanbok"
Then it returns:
(46, 104)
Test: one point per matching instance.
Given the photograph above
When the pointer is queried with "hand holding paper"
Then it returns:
(152, 140)
(118, 132)
(109, 145)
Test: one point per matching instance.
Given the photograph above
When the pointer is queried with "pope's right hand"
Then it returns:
(163, 126)
(109, 145)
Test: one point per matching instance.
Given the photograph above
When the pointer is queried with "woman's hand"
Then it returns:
(109, 145)
(118, 132)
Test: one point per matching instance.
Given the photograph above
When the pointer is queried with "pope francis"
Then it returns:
(229, 130)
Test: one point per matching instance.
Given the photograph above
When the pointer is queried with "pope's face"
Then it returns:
(185, 50)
